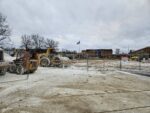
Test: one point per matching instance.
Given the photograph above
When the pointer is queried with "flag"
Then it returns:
(78, 43)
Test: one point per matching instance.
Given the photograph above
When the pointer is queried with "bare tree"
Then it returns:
(26, 41)
(38, 41)
(4, 29)
(49, 43)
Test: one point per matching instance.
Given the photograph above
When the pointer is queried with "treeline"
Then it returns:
(33, 41)
(4, 31)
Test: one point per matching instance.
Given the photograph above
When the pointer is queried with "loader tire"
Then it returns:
(12, 69)
(57, 62)
(20, 70)
(44, 62)
(33, 71)
(2, 72)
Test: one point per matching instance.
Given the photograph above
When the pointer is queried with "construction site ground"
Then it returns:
(76, 89)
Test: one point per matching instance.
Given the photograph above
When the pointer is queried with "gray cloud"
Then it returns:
(96, 23)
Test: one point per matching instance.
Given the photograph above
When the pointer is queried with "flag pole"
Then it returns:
(79, 48)
(78, 43)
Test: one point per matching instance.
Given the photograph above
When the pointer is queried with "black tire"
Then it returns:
(20, 70)
(12, 69)
(57, 62)
(2, 71)
(44, 62)
(32, 71)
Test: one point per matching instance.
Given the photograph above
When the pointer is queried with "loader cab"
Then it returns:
(50, 51)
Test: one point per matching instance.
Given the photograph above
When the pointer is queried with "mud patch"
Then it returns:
(70, 104)
(2, 88)
(56, 105)
(95, 87)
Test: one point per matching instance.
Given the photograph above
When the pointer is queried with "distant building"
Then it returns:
(69, 54)
(106, 53)
(117, 51)
(100, 53)
(91, 52)
(141, 53)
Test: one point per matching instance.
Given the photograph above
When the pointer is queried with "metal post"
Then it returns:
(87, 63)
(140, 61)
(27, 76)
(28, 71)
(139, 65)
(103, 64)
(79, 52)
(63, 64)
(120, 64)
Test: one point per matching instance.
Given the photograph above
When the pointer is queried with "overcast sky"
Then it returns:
(96, 23)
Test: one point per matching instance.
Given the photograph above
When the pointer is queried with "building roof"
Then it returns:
(98, 50)
(141, 49)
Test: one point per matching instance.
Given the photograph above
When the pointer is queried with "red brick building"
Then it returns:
(100, 53)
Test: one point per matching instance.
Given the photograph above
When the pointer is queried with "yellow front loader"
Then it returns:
(48, 57)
